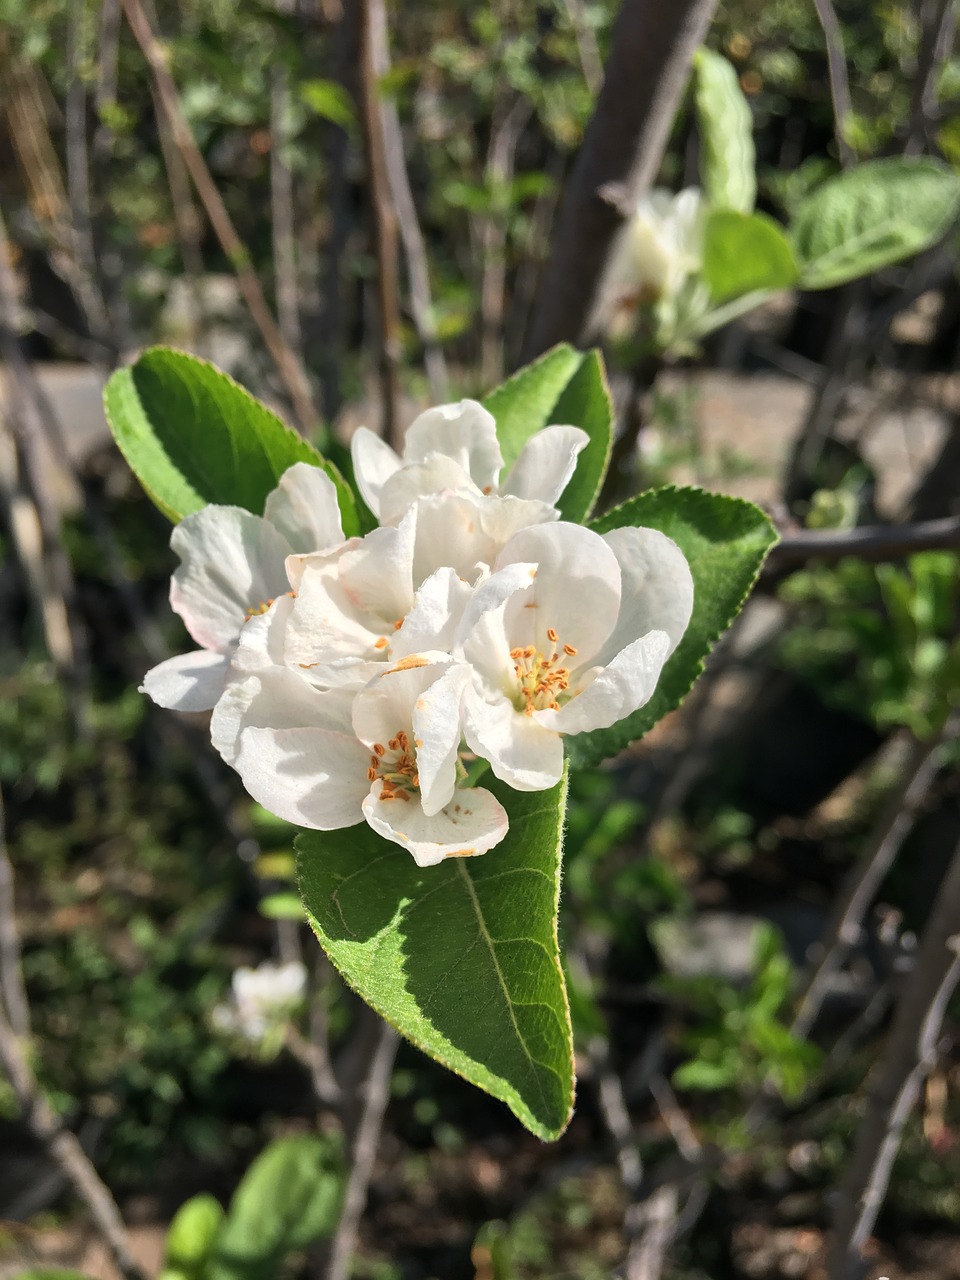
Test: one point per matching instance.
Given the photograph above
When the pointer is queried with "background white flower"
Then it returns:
(261, 998)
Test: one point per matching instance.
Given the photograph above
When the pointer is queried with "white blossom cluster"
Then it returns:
(349, 679)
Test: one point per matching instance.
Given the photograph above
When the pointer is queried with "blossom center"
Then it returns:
(396, 766)
(542, 679)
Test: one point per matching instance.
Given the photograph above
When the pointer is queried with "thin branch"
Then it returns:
(872, 543)
(652, 48)
(938, 26)
(590, 61)
(839, 80)
(863, 882)
(376, 1097)
(290, 369)
(911, 1052)
(12, 986)
(414, 246)
(64, 1148)
(281, 210)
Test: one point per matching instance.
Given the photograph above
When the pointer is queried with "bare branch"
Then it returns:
(590, 60)
(653, 45)
(384, 219)
(12, 988)
(938, 27)
(288, 366)
(839, 80)
(281, 211)
(872, 543)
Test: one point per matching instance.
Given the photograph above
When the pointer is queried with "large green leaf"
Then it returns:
(725, 541)
(745, 252)
(190, 1240)
(586, 403)
(194, 436)
(727, 155)
(524, 403)
(462, 958)
(873, 215)
(289, 1197)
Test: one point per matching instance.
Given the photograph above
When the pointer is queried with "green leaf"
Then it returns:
(192, 1234)
(281, 906)
(727, 154)
(462, 958)
(525, 403)
(330, 101)
(289, 1197)
(194, 436)
(586, 403)
(745, 252)
(872, 216)
(725, 541)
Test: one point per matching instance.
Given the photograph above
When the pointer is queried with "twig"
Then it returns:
(645, 75)
(11, 974)
(376, 1097)
(281, 211)
(384, 218)
(839, 80)
(891, 829)
(938, 25)
(872, 543)
(66, 1151)
(911, 1052)
(590, 61)
(414, 246)
(288, 366)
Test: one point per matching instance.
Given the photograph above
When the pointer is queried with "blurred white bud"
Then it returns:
(261, 998)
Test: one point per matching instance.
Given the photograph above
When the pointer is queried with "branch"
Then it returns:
(376, 1097)
(12, 989)
(938, 27)
(64, 1148)
(872, 543)
(911, 1052)
(839, 80)
(652, 48)
(281, 210)
(288, 366)
(384, 219)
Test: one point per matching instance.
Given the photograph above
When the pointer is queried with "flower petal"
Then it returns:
(437, 730)
(373, 464)
(277, 698)
(312, 777)
(232, 561)
(304, 509)
(522, 752)
(437, 609)
(619, 689)
(465, 432)
(481, 638)
(657, 592)
(467, 533)
(189, 682)
(546, 463)
(438, 474)
(473, 822)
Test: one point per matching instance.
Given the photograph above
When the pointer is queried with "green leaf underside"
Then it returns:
(728, 158)
(744, 253)
(725, 541)
(524, 403)
(874, 215)
(462, 958)
(193, 436)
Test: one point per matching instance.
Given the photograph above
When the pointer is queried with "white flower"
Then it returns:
(569, 634)
(261, 998)
(454, 447)
(328, 758)
(232, 566)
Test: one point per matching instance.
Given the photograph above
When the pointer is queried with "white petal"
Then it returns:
(522, 753)
(481, 638)
(657, 592)
(473, 822)
(437, 609)
(312, 777)
(467, 533)
(577, 589)
(439, 474)
(465, 432)
(378, 574)
(232, 561)
(373, 463)
(263, 638)
(276, 698)
(189, 682)
(618, 690)
(304, 508)
(546, 463)
(437, 730)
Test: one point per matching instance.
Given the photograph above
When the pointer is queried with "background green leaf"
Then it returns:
(727, 155)
(194, 436)
(289, 1197)
(462, 958)
(872, 216)
(725, 541)
(586, 403)
(524, 403)
(192, 1234)
(744, 252)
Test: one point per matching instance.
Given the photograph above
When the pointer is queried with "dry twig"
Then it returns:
(839, 80)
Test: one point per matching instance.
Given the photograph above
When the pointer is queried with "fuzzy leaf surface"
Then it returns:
(462, 958)
(727, 154)
(193, 436)
(725, 541)
(744, 253)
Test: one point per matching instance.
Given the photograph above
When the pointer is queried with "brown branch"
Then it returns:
(12, 988)
(288, 366)
(872, 543)
(64, 1148)
(938, 26)
(414, 246)
(590, 61)
(384, 217)
(281, 220)
(911, 1052)
(652, 48)
(839, 80)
